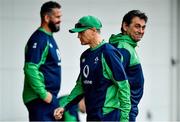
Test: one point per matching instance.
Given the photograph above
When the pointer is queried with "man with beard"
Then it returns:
(42, 67)
(132, 28)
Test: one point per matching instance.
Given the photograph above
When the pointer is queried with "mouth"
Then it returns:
(57, 24)
(139, 35)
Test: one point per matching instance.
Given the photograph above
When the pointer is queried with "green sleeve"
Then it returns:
(69, 117)
(124, 97)
(35, 79)
(123, 91)
(76, 91)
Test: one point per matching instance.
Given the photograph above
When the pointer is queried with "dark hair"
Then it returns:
(130, 15)
(47, 8)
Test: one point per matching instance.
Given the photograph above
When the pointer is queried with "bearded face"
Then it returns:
(55, 27)
(54, 20)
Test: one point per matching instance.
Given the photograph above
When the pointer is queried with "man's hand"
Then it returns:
(48, 99)
(82, 106)
(58, 112)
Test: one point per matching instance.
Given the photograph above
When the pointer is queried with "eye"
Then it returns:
(143, 27)
(137, 26)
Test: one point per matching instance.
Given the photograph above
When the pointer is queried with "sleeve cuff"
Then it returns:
(43, 96)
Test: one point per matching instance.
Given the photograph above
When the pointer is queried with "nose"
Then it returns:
(60, 20)
(141, 30)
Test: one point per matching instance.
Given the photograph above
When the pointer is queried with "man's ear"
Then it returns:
(46, 18)
(125, 26)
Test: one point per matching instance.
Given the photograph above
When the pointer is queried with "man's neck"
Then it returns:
(46, 28)
(96, 42)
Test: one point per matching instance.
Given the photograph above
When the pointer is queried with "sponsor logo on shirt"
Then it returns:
(58, 54)
(86, 71)
(87, 82)
(86, 74)
(59, 57)
(59, 63)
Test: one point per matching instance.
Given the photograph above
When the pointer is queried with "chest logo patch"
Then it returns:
(96, 60)
(86, 71)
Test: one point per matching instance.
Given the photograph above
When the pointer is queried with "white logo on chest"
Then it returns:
(96, 60)
(87, 82)
(58, 56)
(86, 71)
